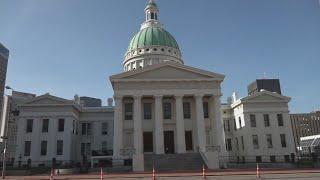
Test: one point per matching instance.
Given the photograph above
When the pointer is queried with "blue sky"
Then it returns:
(68, 47)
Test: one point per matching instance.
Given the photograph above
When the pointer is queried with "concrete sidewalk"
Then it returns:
(225, 174)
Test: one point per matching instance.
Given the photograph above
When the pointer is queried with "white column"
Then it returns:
(181, 140)
(158, 125)
(137, 125)
(138, 157)
(219, 129)
(117, 127)
(201, 130)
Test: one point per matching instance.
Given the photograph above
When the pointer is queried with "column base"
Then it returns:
(117, 162)
(138, 162)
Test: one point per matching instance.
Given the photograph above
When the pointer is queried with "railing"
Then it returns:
(102, 152)
(127, 152)
(212, 148)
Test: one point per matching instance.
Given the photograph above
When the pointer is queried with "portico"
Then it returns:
(158, 111)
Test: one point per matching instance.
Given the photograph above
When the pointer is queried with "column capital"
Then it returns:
(117, 97)
(158, 96)
(137, 96)
(199, 95)
(178, 96)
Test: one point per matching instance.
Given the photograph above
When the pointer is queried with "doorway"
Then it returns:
(189, 144)
(168, 142)
(147, 142)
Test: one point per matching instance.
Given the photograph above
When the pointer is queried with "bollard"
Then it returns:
(101, 174)
(258, 172)
(51, 174)
(153, 173)
(204, 172)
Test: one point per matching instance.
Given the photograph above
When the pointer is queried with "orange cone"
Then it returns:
(258, 172)
(153, 173)
(51, 174)
(204, 172)
(101, 174)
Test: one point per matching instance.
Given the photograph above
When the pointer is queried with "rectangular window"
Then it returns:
(269, 140)
(128, 111)
(27, 148)
(242, 141)
(59, 147)
(258, 159)
(86, 129)
(255, 141)
(45, 125)
(273, 159)
(147, 113)
(104, 146)
(29, 125)
(229, 145)
(85, 149)
(280, 119)
(283, 140)
(237, 141)
(253, 122)
(104, 128)
(286, 158)
(205, 109)
(240, 123)
(167, 110)
(266, 120)
(234, 124)
(61, 125)
(88, 149)
(186, 110)
(43, 150)
(228, 125)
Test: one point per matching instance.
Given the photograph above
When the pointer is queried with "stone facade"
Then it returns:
(54, 128)
(258, 127)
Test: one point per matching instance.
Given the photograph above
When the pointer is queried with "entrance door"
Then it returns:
(147, 142)
(168, 142)
(189, 145)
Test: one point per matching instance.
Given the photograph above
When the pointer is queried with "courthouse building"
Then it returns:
(163, 106)
(166, 114)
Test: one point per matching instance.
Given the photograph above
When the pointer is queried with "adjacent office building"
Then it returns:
(305, 124)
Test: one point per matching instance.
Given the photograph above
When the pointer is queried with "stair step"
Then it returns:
(167, 162)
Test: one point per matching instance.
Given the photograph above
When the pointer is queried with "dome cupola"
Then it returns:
(152, 44)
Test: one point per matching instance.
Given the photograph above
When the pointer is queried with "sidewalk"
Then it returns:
(226, 172)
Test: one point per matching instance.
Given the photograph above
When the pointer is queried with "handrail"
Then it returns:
(204, 157)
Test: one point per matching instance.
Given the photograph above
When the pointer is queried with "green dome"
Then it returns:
(152, 36)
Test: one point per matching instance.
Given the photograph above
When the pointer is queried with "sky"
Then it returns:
(68, 47)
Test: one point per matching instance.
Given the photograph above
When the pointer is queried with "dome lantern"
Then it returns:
(152, 44)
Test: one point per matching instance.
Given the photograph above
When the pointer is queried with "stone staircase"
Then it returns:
(173, 162)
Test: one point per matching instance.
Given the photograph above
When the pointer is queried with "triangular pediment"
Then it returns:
(168, 71)
(47, 100)
(266, 96)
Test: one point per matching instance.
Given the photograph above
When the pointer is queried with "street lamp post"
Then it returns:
(4, 157)
(5, 137)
